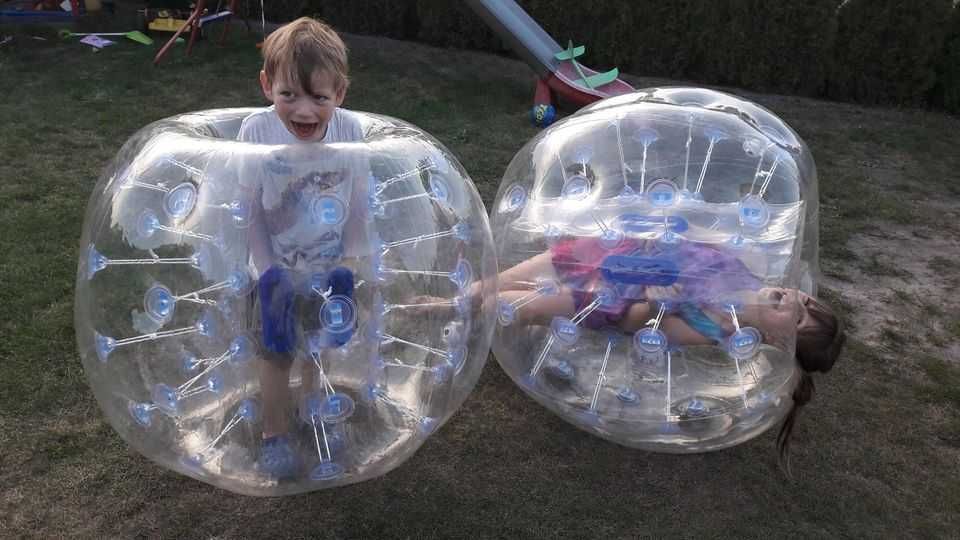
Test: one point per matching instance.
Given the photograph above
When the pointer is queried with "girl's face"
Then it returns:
(781, 313)
(304, 115)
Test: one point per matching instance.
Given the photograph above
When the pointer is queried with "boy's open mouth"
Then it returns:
(304, 131)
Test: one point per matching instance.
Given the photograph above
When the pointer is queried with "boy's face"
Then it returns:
(305, 115)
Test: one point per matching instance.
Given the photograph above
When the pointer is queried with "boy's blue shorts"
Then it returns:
(281, 307)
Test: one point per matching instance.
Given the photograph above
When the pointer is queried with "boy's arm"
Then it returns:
(258, 240)
(356, 239)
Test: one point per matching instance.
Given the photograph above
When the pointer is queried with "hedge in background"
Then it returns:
(872, 51)
(454, 24)
(391, 18)
(886, 50)
(770, 46)
(946, 92)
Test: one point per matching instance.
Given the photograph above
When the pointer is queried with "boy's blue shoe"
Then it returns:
(278, 457)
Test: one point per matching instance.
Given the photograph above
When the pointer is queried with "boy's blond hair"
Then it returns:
(298, 50)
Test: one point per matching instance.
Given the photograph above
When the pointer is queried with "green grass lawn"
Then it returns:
(877, 454)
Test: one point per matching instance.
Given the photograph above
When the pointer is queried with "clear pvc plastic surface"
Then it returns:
(362, 333)
(652, 252)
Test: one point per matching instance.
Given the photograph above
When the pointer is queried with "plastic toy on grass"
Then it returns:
(384, 339)
(651, 247)
(134, 35)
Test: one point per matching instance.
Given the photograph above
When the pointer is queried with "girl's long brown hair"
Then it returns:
(818, 348)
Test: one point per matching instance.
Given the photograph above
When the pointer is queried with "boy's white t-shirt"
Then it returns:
(313, 196)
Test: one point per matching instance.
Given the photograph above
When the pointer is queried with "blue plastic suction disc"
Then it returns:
(515, 199)
(627, 195)
(462, 275)
(166, 398)
(142, 413)
(662, 193)
(694, 408)
(690, 196)
(248, 410)
(457, 358)
(427, 425)
(207, 325)
(577, 188)
(242, 348)
(506, 313)
(336, 408)
(240, 213)
(668, 239)
(95, 261)
(754, 212)
(564, 331)
(180, 201)
(104, 346)
(744, 343)
(376, 207)
(328, 210)
(715, 134)
(628, 395)
(441, 372)
(215, 383)
(462, 232)
(147, 224)
(737, 241)
(311, 408)
(645, 136)
(611, 238)
(650, 340)
(371, 392)
(548, 286)
(461, 304)
(326, 471)
(338, 314)
(202, 259)
(589, 417)
(753, 147)
(239, 283)
(552, 234)
(189, 364)
(194, 462)
(561, 369)
(607, 296)
(159, 303)
(439, 190)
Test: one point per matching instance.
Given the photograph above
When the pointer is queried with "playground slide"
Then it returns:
(557, 68)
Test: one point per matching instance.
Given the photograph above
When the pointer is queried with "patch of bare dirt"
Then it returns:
(903, 285)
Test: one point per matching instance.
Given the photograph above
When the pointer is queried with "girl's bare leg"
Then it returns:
(542, 309)
(519, 277)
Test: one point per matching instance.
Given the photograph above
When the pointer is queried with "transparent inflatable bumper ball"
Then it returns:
(328, 365)
(653, 249)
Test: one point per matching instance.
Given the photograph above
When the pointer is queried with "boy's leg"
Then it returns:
(275, 391)
(339, 283)
(277, 455)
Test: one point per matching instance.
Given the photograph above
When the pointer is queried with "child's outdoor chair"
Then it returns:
(195, 23)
